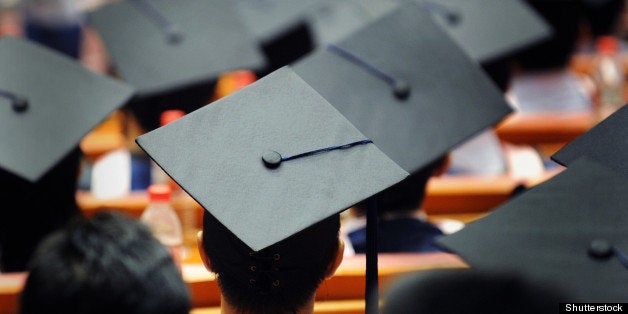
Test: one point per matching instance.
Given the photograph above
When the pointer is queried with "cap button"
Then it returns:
(401, 89)
(20, 104)
(271, 159)
(600, 248)
(174, 35)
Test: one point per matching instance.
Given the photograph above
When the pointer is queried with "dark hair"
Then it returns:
(278, 279)
(470, 291)
(603, 16)
(107, 264)
(406, 195)
(565, 18)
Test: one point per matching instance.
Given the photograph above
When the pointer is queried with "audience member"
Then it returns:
(107, 264)
(57, 24)
(601, 18)
(281, 278)
(469, 291)
(402, 225)
(543, 80)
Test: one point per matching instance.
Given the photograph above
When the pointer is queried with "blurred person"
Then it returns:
(57, 24)
(107, 264)
(403, 224)
(449, 291)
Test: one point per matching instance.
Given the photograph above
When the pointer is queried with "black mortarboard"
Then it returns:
(469, 291)
(606, 143)
(489, 29)
(280, 27)
(48, 103)
(239, 158)
(331, 21)
(402, 82)
(569, 231)
(159, 46)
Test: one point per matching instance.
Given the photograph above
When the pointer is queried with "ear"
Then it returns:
(337, 259)
(201, 250)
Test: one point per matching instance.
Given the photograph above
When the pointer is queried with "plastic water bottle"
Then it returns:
(609, 77)
(163, 221)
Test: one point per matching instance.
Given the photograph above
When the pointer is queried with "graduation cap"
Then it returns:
(402, 82)
(274, 151)
(489, 29)
(331, 20)
(281, 28)
(160, 46)
(48, 103)
(471, 291)
(569, 231)
(606, 143)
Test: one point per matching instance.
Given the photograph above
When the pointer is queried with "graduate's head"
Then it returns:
(281, 278)
(107, 264)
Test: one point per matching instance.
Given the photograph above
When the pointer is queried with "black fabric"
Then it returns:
(37, 209)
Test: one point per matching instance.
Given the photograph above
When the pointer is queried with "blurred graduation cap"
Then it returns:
(159, 46)
(569, 231)
(173, 52)
(48, 103)
(606, 143)
(489, 29)
(402, 82)
(274, 151)
(280, 27)
(332, 20)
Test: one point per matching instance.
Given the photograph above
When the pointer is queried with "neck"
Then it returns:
(228, 308)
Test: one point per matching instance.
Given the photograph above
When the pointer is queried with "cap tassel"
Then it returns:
(400, 88)
(273, 159)
(173, 32)
(18, 103)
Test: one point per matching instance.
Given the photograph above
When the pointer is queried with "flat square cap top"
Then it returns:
(489, 29)
(216, 155)
(564, 231)
(606, 143)
(162, 45)
(63, 102)
(404, 83)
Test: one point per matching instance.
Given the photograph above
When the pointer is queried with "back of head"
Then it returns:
(565, 18)
(281, 278)
(469, 291)
(108, 264)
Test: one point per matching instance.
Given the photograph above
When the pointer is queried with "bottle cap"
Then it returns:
(607, 45)
(170, 115)
(159, 192)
